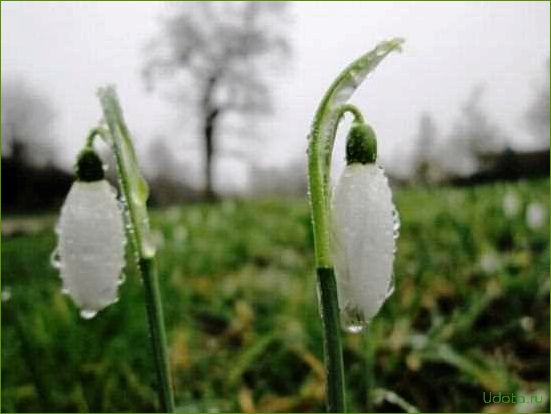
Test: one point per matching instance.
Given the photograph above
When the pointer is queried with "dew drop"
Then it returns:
(121, 204)
(87, 314)
(55, 259)
(65, 291)
(318, 294)
(396, 223)
(354, 328)
(352, 319)
(382, 50)
(390, 290)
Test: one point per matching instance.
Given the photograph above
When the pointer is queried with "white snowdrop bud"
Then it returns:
(91, 245)
(365, 228)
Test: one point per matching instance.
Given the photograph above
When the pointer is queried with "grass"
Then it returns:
(470, 313)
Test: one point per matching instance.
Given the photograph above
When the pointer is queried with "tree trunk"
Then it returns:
(210, 113)
(209, 136)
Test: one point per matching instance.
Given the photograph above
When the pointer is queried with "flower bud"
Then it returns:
(89, 167)
(361, 144)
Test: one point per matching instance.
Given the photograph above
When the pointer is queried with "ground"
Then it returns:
(469, 316)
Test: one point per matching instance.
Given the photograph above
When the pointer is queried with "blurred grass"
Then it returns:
(470, 313)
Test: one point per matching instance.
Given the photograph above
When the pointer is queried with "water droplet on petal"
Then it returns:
(391, 288)
(55, 259)
(396, 223)
(380, 51)
(352, 319)
(87, 313)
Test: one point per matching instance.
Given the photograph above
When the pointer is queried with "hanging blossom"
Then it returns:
(91, 238)
(364, 228)
(353, 225)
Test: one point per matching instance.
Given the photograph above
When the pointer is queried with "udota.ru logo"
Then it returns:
(511, 398)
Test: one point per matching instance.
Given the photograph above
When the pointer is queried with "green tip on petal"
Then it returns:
(89, 166)
(361, 144)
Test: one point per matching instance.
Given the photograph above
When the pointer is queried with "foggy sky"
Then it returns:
(66, 50)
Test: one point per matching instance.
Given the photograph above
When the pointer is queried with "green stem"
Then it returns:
(135, 193)
(369, 354)
(95, 132)
(332, 345)
(157, 331)
(319, 164)
(327, 288)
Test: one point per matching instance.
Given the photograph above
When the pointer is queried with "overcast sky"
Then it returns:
(68, 49)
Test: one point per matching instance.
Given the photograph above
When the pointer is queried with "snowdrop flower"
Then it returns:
(511, 204)
(353, 229)
(91, 238)
(364, 232)
(535, 215)
(489, 262)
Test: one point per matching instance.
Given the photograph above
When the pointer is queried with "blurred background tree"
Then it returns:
(426, 168)
(289, 180)
(31, 181)
(213, 55)
(27, 117)
(537, 115)
(169, 180)
(473, 135)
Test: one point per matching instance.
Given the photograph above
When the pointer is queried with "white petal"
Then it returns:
(91, 245)
(363, 241)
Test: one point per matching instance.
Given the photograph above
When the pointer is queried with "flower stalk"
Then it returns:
(135, 193)
(330, 112)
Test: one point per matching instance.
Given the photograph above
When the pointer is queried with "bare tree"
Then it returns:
(289, 180)
(473, 137)
(26, 124)
(214, 54)
(169, 180)
(426, 141)
(537, 116)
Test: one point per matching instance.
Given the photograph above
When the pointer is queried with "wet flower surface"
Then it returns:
(91, 246)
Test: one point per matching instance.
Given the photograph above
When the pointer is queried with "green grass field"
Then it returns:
(470, 314)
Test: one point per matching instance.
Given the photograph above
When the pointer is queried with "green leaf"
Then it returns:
(340, 91)
(134, 188)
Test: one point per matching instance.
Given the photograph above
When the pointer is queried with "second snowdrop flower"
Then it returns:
(91, 238)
